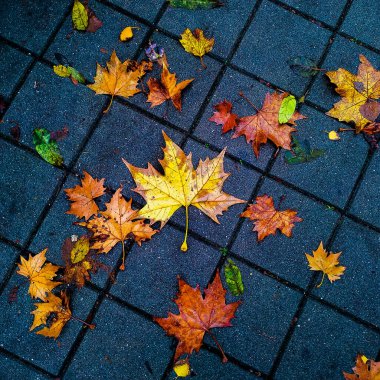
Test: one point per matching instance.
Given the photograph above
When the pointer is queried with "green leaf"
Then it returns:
(76, 75)
(79, 16)
(233, 278)
(46, 147)
(68, 71)
(302, 152)
(303, 66)
(288, 106)
(193, 4)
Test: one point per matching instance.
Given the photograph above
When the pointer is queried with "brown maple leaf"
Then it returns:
(39, 275)
(326, 263)
(198, 315)
(223, 116)
(358, 93)
(365, 369)
(117, 79)
(116, 225)
(166, 88)
(83, 197)
(267, 220)
(264, 124)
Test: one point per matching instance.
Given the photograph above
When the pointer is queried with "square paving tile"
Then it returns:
(333, 175)
(123, 353)
(224, 23)
(15, 336)
(282, 255)
(26, 185)
(232, 83)
(8, 256)
(13, 369)
(355, 25)
(13, 64)
(274, 36)
(30, 23)
(147, 9)
(359, 247)
(324, 344)
(48, 101)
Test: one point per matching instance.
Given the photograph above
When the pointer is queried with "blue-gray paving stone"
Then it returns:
(345, 54)
(324, 344)
(124, 345)
(12, 369)
(366, 204)
(57, 226)
(185, 66)
(274, 36)
(326, 11)
(232, 83)
(147, 9)
(261, 320)
(360, 255)
(15, 336)
(224, 23)
(124, 133)
(361, 27)
(150, 277)
(51, 102)
(30, 23)
(281, 255)
(8, 255)
(84, 50)
(208, 366)
(333, 175)
(13, 64)
(26, 185)
(240, 184)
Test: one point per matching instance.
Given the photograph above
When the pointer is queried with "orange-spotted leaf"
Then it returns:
(83, 197)
(39, 274)
(223, 116)
(267, 220)
(365, 369)
(198, 315)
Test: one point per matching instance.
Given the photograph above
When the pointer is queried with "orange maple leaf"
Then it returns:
(116, 225)
(166, 88)
(83, 197)
(39, 275)
(223, 116)
(264, 124)
(267, 219)
(364, 370)
(358, 93)
(197, 315)
(327, 263)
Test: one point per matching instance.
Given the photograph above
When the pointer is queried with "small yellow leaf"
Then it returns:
(61, 71)
(182, 368)
(80, 249)
(79, 16)
(333, 135)
(127, 33)
(364, 359)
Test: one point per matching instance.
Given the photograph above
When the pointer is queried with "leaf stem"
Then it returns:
(345, 129)
(225, 359)
(89, 325)
(184, 244)
(323, 277)
(202, 63)
(109, 105)
(245, 98)
(122, 266)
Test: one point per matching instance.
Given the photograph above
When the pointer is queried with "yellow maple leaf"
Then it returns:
(196, 43)
(116, 225)
(181, 185)
(327, 263)
(116, 79)
(358, 93)
(39, 275)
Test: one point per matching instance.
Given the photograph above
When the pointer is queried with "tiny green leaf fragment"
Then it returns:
(288, 106)
(46, 147)
(303, 66)
(75, 74)
(79, 16)
(302, 152)
(194, 4)
(233, 278)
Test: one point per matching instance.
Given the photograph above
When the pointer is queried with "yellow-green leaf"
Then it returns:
(79, 16)
(287, 108)
(182, 368)
(80, 249)
(62, 71)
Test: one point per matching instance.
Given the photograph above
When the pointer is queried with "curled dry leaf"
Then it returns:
(181, 185)
(198, 315)
(326, 263)
(39, 275)
(267, 220)
(83, 196)
(223, 116)
(364, 369)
